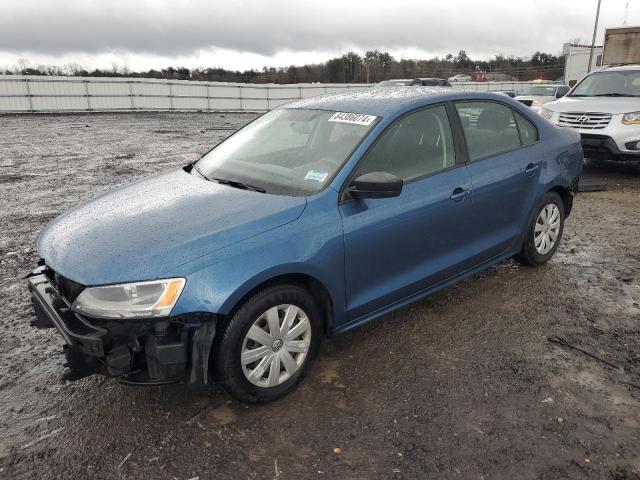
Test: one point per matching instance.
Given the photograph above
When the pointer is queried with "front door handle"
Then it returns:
(459, 194)
(531, 169)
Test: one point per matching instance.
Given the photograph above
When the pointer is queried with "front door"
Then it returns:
(395, 247)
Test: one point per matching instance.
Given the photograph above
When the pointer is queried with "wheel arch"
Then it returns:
(311, 283)
(566, 196)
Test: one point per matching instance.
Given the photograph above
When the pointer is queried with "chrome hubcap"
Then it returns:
(276, 345)
(547, 228)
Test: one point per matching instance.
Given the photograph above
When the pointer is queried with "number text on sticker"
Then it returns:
(357, 118)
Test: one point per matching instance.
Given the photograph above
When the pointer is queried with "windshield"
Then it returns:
(287, 151)
(540, 91)
(621, 83)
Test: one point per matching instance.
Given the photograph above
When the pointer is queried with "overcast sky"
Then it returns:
(243, 34)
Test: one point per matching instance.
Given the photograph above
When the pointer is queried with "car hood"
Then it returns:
(143, 230)
(613, 105)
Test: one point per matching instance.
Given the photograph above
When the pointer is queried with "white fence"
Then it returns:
(497, 86)
(59, 94)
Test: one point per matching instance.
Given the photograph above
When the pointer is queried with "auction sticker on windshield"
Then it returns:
(356, 118)
(314, 176)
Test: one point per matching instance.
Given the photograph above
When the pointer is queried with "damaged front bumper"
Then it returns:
(141, 352)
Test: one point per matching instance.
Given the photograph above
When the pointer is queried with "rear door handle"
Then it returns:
(531, 169)
(459, 194)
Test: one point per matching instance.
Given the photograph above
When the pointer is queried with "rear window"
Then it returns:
(528, 132)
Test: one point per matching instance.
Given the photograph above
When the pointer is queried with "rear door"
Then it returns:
(395, 247)
(505, 159)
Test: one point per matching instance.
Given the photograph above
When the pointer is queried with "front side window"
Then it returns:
(288, 151)
(416, 145)
(489, 128)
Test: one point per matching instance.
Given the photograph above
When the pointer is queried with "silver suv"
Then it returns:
(605, 108)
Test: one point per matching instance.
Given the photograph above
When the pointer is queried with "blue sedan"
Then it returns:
(315, 218)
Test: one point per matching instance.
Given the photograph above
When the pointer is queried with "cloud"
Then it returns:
(264, 29)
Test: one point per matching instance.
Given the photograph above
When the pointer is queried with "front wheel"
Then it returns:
(269, 344)
(544, 232)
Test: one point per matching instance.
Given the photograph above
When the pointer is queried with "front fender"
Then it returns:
(310, 246)
(274, 273)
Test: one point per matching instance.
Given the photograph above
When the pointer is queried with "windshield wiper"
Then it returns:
(231, 183)
(237, 184)
(195, 167)
(611, 95)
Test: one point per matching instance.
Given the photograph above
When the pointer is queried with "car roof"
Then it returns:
(620, 67)
(389, 101)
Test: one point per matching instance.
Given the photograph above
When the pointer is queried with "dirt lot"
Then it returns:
(461, 385)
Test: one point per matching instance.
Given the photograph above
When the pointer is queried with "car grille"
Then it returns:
(67, 288)
(585, 121)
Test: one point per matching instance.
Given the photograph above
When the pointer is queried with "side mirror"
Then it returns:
(376, 185)
(560, 94)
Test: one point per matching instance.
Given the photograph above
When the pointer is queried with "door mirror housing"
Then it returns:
(376, 185)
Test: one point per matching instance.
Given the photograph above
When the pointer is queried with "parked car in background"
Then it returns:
(605, 109)
(402, 82)
(315, 218)
(432, 82)
(460, 78)
(538, 95)
(425, 82)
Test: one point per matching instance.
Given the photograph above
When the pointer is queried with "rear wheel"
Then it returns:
(269, 344)
(545, 231)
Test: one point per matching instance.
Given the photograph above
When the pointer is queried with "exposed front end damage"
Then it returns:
(140, 351)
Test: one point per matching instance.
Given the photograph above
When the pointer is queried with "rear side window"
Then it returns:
(417, 145)
(528, 132)
(489, 128)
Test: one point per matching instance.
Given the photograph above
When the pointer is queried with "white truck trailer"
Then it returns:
(621, 46)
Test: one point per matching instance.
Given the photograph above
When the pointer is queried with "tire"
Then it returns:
(233, 342)
(535, 256)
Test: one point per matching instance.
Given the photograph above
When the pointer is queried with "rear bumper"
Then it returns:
(169, 350)
(604, 147)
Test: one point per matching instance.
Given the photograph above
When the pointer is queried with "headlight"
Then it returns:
(155, 298)
(632, 118)
(546, 113)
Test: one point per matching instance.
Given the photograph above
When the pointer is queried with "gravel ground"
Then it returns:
(461, 385)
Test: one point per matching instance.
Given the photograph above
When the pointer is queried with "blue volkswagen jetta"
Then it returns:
(313, 219)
